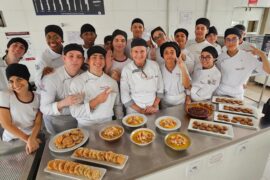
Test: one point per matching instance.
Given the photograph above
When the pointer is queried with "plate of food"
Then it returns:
(200, 110)
(227, 100)
(106, 158)
(168, 123)
(111, 132)
(236, 120)
(142, 136)
(211, 128)
(68, 140)
(74, 170)
(134, 120)
(244, 110)
(177, 141)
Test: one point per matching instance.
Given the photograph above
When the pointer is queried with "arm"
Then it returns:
(262, 56)
(185, 75)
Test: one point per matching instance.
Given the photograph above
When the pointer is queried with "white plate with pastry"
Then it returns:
(68, 140)
(106, 158)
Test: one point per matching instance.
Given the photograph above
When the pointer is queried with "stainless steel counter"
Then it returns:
(154, 157)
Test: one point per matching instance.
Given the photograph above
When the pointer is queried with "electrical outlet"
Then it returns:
(193, 168)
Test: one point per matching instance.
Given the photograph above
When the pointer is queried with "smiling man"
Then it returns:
(88, 35)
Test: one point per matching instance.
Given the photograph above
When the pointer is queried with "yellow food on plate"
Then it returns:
(73, 168)
(69, 139)
(106, 156)
(134, 120)
(112, 132)
(177, 141)
(168, 123)
(143, 137)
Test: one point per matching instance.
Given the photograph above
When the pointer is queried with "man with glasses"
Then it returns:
(237, 65)
(158, 35)
(206, 80)
(195, 47)
(141, 81)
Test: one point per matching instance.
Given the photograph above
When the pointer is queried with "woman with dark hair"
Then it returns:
(19, 109)
(16, 48)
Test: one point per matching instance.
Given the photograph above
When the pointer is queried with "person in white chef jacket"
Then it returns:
(175, 75)
(51, 57)
(237, 65)
(19, 109)
(181, 37)
(206, 80)
(16, 48)
(196, 46)
(55, 96)
(212, 37)
(159, 36)
(141, 81)
(137, 29)
(119, 58)
(101, 93)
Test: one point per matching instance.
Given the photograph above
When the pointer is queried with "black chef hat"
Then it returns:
(87, 28)
(54, 28)
(241, 27)
(19, 70)
(211, 50)
(170, 44)
(107, 38)
(20, 40)
(119, 32)
(156, 29)
(181, 30)
(203, 21)
(137, 20)
(212, 30)
(96, 49)
(138, 42)
(73, 46)
(232, 31)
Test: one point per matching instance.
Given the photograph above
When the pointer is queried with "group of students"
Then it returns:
(81, 85)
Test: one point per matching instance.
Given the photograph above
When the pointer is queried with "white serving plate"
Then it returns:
(215, 97)
(255, 112)
(70, 176)
(105, 163)
(140, 129)
(178, 123)
(134, 114)
(229, 133)
(53, 148)
(230, 116)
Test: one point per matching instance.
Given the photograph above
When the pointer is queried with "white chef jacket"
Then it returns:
(190, 60)
(196, 49)
(173, 87)
(119, 65)
(48, 58)
(218, 48)
(92, 86)
(23, 114)
(138, 88)
(204, 83)
(235, 72)
(3, 78)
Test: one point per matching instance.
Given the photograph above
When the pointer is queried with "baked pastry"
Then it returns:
(73, 168)
(69, 139)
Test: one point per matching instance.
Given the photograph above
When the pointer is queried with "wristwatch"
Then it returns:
(188, 92)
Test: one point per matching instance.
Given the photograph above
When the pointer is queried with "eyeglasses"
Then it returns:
(159, 36)
(233, 40)
(205, 58)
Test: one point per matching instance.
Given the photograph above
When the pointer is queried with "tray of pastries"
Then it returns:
(134, 120)
(68, 140)
(106, 158)
(227, 100)
(211, 128)
(74, 170)
(111, 132)
(168, 123)
(244, 110)
(177, 141)
(142, 136)
(236, 120)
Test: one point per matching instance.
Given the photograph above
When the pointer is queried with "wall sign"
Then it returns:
(69, 7)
